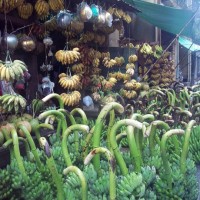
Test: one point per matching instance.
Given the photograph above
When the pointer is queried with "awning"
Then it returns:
(188, 44)
(166, 18)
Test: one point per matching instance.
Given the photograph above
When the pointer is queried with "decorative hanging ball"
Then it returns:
(108, 18)
(47, 41)
(84, 12)
(27, 43)
(63, 18)
(9, 41)
(95, 11)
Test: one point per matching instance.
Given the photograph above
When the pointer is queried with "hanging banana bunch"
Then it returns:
(25, 10)
(78, 68)
(12, 71)
(42, 8)
(51, 24)
(71, 99)
(8, 5)
(67, 56)
(56, 5)
(69, 82)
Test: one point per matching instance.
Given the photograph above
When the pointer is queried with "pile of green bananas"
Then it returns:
(146, 49)
(13, 102)
(195, 144)
(37, 106)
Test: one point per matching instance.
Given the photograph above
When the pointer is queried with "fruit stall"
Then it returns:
(81, 119)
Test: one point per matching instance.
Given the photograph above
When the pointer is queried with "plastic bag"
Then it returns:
(87, 101)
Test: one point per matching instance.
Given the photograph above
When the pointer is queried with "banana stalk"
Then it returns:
(52, 167)
(26, 145)
(110, 125)
(98, 128)
(73, 122)
(38, 127)
(69, 130)
(112, 167)
(82, 114)
(56, 96)
(113, 142)
(185, 148)
(168, 172)
(81, 176)
(120, 136)
(7, 137)
(32, 145)
(17, 152)
(151, 131)
(58, 115)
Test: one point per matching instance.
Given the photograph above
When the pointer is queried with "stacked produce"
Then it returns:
(151, 168)
(154, 67)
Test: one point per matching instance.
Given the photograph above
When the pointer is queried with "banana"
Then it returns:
(6, 99)
(11, 99)
(16, 104)
(12, 74)
(3, 73)
(22, 102)
(8, 78)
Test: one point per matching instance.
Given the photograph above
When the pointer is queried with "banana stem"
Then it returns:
(27, 148)
(120, 136)
(110, 125)
(73, 122)
(98, 128)
(185, 148)
(113, 142)
(168, 172)
(59, 128)
(82, 179)
(87, 141)
(112, 167)
(17, 152)
(56, 96)
(69, 130)
(53, 170)
(38, 127)
(7, 137)
(58, 115)
(32, 145)
(82, 114)
(152, 131)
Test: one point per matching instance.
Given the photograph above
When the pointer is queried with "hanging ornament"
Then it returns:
(102, 17)
(108, 19)
(84, 12)
(9, 41)
(27, 43)
(50, 54)
(95, 12)
(64, 18)
(47, 41)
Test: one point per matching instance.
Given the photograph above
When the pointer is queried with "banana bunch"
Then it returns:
(132, 58)
(92, 53)
(87, 37)
(119, 13)
(42, 8)
(67, 56)
(130, 71)
(76, 26)
(37, 105)
(99, 39)
(130, 66)
(105, 55)
(106, 85)
(56, 5)
(129, 94)
(2, 111)
(69, 82)
(155, 76)
(96, 96)
(119, 61)
(8, 5)
(96, 62)
(78, 68)
(131, 184)
(107, 62)
(112, 80)
(132, 85)
(195, 144)
(117, 75)
(69, 34)
(25, 10)
(96, 70)
(71, 99)
(146, 49)
(51, 24)
(13, 70)
(10, 102)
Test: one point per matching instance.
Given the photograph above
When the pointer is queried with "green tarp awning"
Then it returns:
(166, 18)
(188, 44)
